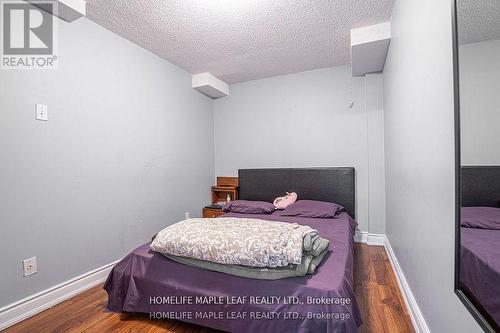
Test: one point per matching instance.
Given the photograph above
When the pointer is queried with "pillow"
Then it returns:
(249, 207)
(287, 200)
(313, 208)
(480, 217)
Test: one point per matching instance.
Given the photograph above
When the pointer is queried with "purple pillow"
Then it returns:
(313, 208)
(249, 207)
(480, 217)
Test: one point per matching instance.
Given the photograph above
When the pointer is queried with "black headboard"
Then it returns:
(480, 186)
(324, 184)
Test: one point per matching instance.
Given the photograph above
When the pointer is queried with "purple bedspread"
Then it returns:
(145, 281)
(480, 267)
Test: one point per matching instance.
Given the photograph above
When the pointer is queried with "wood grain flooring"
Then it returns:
(377, 292)
(375, 287)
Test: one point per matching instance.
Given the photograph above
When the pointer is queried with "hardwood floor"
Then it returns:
(377, 292)
(375, 287)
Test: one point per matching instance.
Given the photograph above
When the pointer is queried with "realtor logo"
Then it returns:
(28, 35)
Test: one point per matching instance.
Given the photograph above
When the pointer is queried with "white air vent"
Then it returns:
(209, 85)
(369, 47)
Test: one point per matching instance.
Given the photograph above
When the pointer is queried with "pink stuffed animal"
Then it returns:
(287, 200)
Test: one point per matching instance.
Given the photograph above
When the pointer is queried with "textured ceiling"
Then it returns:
(240, 40)
(478, 20)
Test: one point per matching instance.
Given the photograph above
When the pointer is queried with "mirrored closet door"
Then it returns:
(477, 97)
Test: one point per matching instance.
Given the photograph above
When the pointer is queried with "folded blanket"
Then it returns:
(307, 266)
(243, 241)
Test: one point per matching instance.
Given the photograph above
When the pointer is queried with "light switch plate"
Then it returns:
(30, 266)
(42, 112)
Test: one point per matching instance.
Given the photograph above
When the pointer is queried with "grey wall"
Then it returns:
(419, 150)
(304, 120)
(376, 163)
(128, 149)
(480, 103)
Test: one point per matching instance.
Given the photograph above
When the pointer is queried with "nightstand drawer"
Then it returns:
(210, 212)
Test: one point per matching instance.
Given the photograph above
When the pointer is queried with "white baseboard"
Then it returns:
(375, 239)
(361, 236)
(416, 316)
(31, 305)
(369, 238)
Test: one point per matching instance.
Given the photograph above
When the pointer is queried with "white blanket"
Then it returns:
(240, 241)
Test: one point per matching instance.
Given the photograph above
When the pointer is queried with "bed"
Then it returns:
(480, 245)
(145, 281)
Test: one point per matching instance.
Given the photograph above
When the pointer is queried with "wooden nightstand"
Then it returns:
(226, 189)
(212, 212)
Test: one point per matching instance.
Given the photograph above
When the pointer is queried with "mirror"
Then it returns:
(477, 105)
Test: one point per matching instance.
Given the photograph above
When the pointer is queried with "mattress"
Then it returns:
(480, 268)
(148, 282)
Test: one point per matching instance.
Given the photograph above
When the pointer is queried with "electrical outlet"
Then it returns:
(42, 112)
(187, 215)
(30, 266)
